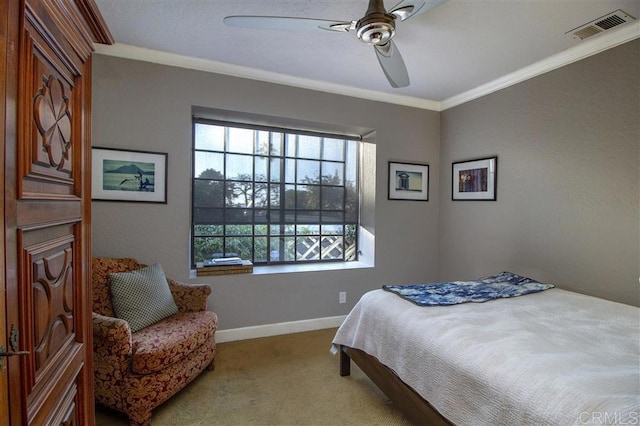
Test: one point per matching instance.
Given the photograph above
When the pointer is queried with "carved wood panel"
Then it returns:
(52, 116)
(52, 303)
(50, 101)
(49, 306)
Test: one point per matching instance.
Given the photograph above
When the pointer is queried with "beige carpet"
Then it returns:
(282, 380)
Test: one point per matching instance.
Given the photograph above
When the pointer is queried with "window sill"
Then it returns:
(309, 267)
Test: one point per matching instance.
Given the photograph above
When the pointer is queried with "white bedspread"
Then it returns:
(550, 358)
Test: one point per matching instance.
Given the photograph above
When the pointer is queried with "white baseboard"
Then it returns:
(277, 329)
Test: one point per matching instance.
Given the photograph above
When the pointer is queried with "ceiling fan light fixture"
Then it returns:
(376, 30)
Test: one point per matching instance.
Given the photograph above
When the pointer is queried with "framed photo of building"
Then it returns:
(408, 181)
(475, 180)
(125, 175)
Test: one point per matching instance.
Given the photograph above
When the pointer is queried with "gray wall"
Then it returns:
(568, 182)
(568, 179)
(143, 106)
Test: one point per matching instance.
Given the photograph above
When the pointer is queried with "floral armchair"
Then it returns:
(136, 372)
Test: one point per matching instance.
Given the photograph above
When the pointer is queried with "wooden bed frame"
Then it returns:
(416, 408)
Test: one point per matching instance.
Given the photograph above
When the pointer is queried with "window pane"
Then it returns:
(276, 143)
(261, 169)
(261, 249)
(207, 216)
(262, 143)
(332, 217)
(239, 229)
(332, 229)
(308, 171)
(239, 194)
(209, 137)
(260, 229)
(333, 149)
(290, 170)
(351, 204)
(274, 173)
(204, 248)
(350, 239)
(307, 197)
(289, 249)
(332, 248)
(275, 229)
(238, 216)
(240, 140)
(260, 195)
(306, 216)
(274, 196)
(260, 216)
(239, 167)
(308, 146)
(352, 162)
(332, 173)
(308, 248)
(332, 198)
(290, 145)
(208, 193)
(208, 165)
(274, 250)
(290, 196)
(308, 229)
(243, 246)
(208, 230)
(289, 216)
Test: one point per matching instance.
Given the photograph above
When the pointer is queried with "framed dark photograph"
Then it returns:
(125, 175)
(408, 181)
(475, 180)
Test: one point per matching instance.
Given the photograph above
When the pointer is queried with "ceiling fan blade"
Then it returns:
(287, 23)
(392, 64)
(409, 8)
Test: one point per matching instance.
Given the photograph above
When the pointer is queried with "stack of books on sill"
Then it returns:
(224, 266)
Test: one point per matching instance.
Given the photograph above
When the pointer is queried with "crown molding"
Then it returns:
(583, 50)
(165, 58)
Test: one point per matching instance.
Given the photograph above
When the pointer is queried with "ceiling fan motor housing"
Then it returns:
(376, 28)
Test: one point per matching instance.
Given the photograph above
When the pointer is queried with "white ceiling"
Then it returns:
(455, 49)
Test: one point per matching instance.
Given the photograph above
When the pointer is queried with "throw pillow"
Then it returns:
(141, 297)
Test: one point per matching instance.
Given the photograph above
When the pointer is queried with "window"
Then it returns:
(273, 195)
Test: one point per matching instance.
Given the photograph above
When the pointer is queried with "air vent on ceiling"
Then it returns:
(601, 24)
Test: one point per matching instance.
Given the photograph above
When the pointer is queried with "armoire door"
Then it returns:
(47, 204)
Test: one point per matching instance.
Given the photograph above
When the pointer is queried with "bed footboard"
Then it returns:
(417, 409)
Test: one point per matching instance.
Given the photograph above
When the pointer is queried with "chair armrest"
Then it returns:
(111, 337)
(189, 297)
(112, 352)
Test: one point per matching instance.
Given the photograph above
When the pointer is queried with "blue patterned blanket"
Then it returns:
(505, 284)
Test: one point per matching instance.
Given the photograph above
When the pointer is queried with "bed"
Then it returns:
(553, 357)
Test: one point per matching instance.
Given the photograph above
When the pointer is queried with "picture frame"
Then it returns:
(408, 181)
(475, 180)
(128, 175)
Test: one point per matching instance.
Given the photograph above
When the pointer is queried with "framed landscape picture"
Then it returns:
(408, 181)
(475, 180)
(125, 175)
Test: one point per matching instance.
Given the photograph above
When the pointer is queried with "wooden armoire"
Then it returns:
(45, 300)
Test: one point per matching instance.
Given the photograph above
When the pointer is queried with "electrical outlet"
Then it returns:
(342, 297)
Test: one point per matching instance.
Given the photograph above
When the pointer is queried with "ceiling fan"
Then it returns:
(376, 28)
